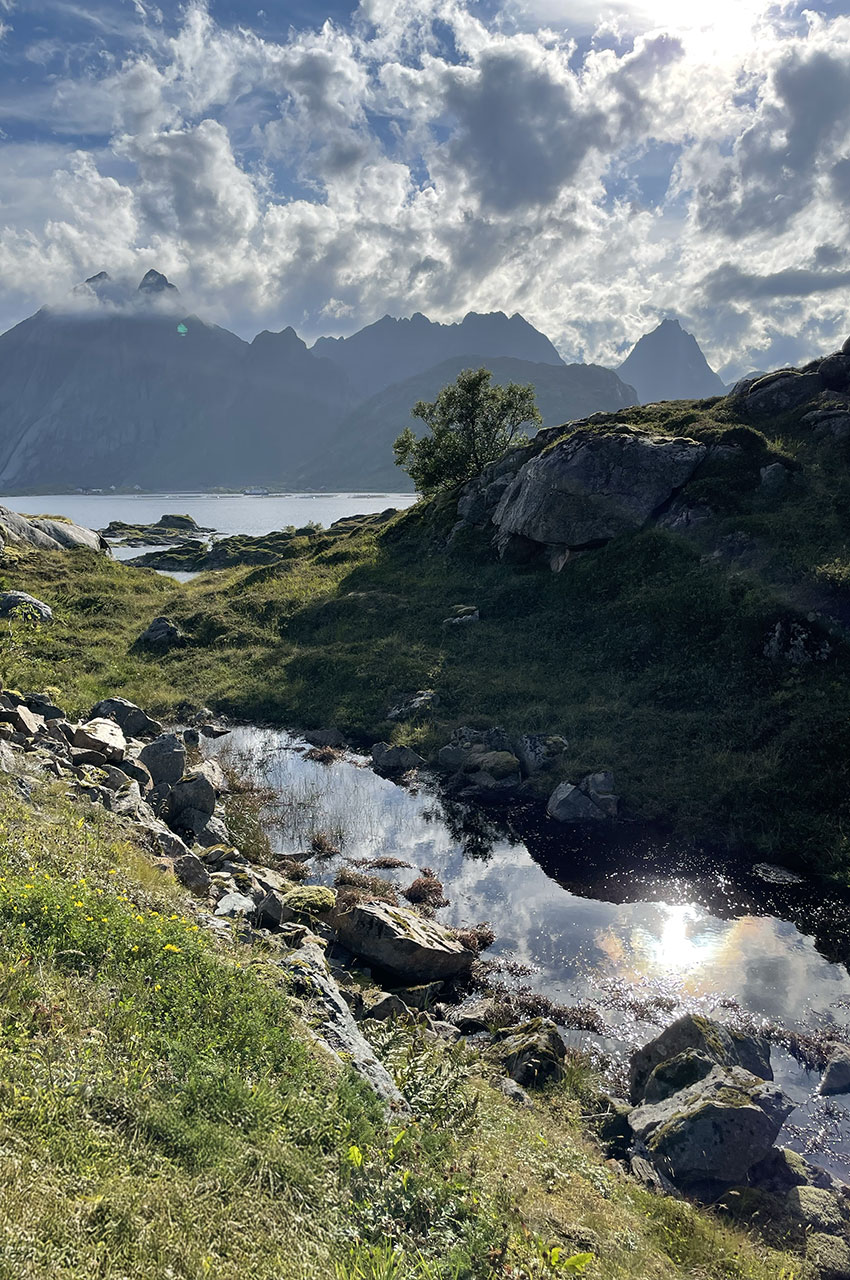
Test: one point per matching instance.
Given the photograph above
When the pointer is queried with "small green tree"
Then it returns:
(471, 424)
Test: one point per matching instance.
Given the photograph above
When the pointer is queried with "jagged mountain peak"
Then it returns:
(155, 282)
(668, 364)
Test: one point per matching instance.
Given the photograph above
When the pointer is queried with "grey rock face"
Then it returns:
(715, 1130)
(190, 803)
(568, 803)
(309, 974)
(595, 485)
(19, 603)
(46, 535)
(781, 391)
(834, 370)
(399, 940)
(389, 759)
(192, 873)
(101, 735)
(133, 722)
(723, 1045)
(165, 759)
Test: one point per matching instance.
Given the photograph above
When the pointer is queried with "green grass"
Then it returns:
(162, 1113)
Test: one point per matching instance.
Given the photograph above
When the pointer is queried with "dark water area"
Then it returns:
(635, 927)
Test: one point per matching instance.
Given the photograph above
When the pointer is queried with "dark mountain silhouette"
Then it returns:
(391, 350)
(667, 364)
(363, 441)
(123, 388)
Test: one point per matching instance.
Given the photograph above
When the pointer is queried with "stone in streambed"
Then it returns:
(836, 1076)
(723, 1045)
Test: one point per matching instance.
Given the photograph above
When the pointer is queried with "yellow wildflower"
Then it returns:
(169, 946)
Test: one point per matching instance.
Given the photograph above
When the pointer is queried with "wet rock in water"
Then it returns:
(21, 605)
(161, 636)
(531, 1054)
(836, 1076)
(133, 722)
(776, 875)
(215, 729)
(308, 971)
(714, 1131)
(568, 803)
(830, 1254)
(192, 873)
(101, 735)
(675, 1074)
(402, 942)
(165, 759)
(390, 759)
(723, 1045)
(599, 787)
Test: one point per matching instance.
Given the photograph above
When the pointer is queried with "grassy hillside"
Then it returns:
(651, 655)
(164, 1113)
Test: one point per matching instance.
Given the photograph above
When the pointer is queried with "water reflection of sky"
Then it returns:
(628, 958)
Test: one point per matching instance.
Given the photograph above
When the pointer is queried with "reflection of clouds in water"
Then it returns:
(576, 945)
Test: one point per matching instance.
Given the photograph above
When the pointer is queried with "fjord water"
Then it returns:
(226, 513)
(639, 931)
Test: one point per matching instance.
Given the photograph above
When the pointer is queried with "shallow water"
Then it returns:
(640, 932)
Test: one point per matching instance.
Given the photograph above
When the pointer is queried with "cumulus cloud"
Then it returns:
(421, 157)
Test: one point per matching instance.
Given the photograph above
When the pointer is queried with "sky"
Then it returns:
(594, 166)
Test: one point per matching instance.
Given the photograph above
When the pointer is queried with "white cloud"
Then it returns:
(424, 160)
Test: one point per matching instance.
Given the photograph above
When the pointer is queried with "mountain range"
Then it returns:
(123, 388)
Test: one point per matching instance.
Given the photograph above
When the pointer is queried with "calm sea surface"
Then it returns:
(225, 513)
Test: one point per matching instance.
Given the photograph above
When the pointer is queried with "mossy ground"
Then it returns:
(162, 1113)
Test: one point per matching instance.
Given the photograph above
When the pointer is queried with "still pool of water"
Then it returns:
(639, 933)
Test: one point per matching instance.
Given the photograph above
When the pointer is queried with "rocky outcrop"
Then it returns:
(309, 975)
(132, 721)
(46, 534)
(165, 759)
(394, 759)
(593, 486)
(722, 1045)
(713, 1131)
(407, 945)
(593, 800)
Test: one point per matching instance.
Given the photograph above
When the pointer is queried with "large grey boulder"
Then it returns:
(165, 759)
(45, 535)
(781, 391)
(715, 1130)
(190, 803)
(20, 604)
(723, 1045)
(134, 722)
(538, 751)
(399, 940)
(595, 485)
(101, 735)
(308, 972)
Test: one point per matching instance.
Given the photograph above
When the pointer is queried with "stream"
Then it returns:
(632, 927)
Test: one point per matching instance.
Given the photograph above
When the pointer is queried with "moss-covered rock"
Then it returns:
(313, 900)
(531, 1053)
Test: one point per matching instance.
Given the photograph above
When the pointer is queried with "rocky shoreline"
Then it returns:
(702, 1114)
